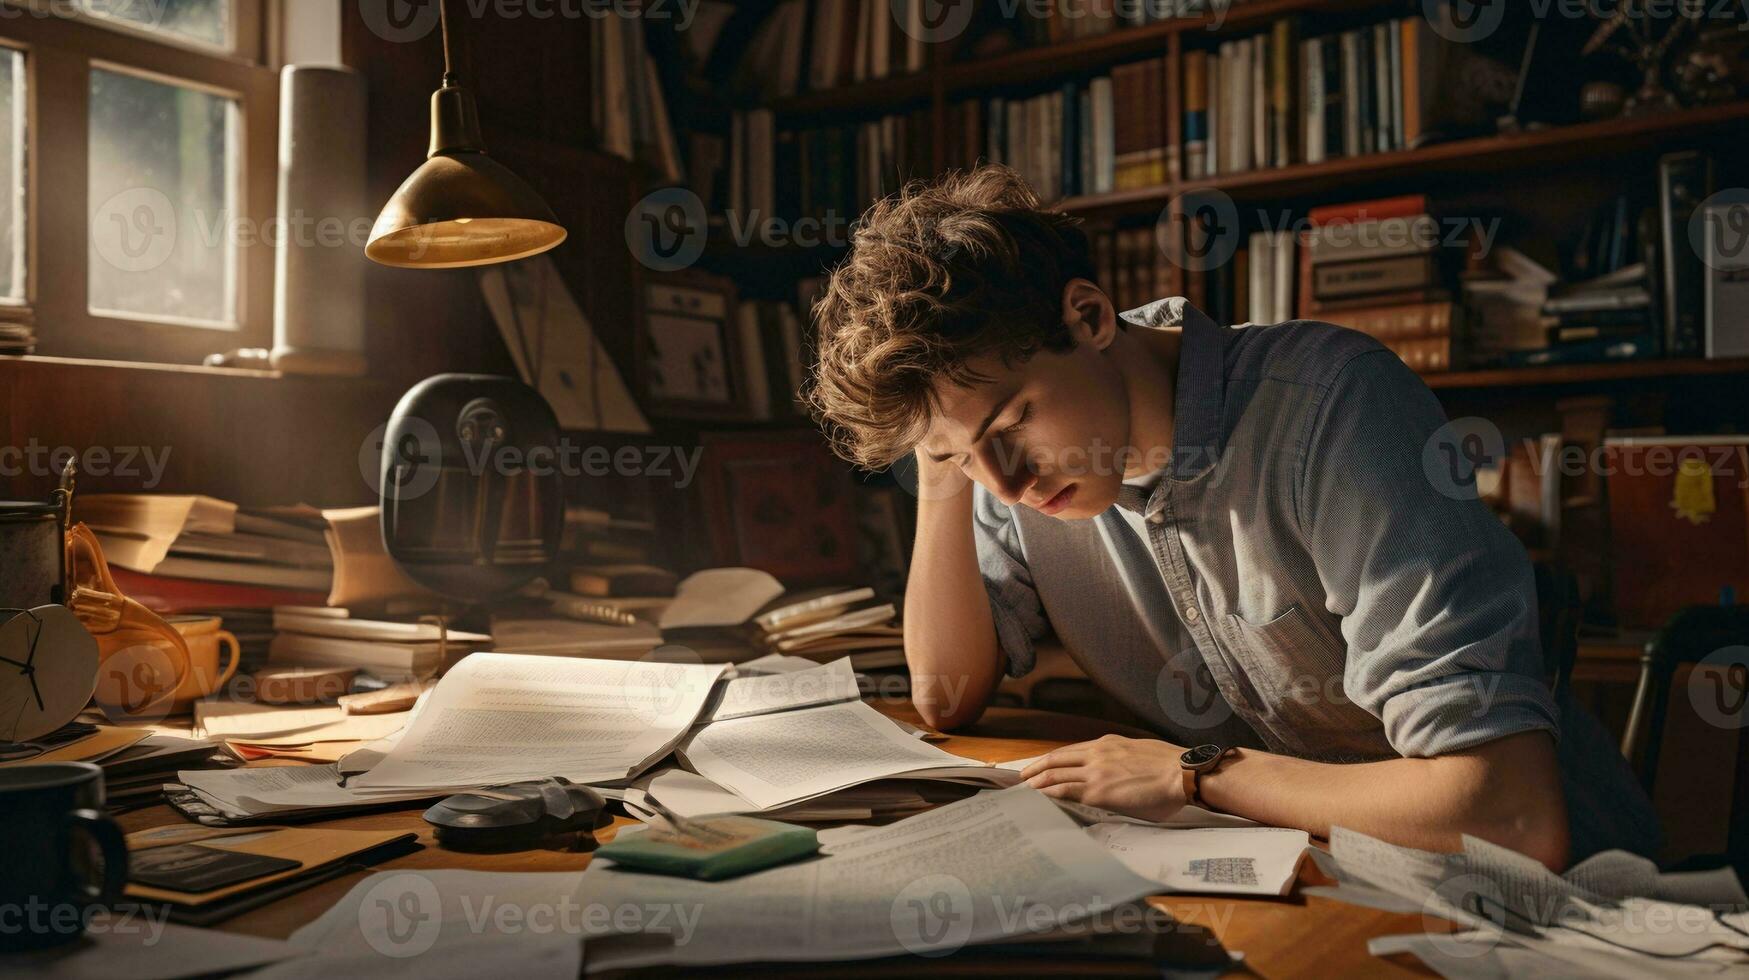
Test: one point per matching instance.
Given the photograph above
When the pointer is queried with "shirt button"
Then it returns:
(1191, 614)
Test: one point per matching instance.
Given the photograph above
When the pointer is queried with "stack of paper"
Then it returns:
(324, 637)
(248, 723)
(995, 866)
(499, 718)
(277, 793)
(828, 623)
(1613, 915)
(777, 760)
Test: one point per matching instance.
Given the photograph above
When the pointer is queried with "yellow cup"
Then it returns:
(203, 636)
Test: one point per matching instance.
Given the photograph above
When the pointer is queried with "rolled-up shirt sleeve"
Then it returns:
(1436, 596)
(1014, 602)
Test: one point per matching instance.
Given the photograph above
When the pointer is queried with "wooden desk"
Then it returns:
(1288, 937)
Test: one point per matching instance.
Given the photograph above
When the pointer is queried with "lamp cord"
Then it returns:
(448, 57)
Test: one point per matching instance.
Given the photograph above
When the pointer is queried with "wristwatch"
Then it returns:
(1196, 761)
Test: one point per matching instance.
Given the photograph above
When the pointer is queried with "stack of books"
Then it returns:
(1274, 99)
(826, 624)
(594, 536)
(1376, 266)
(326, 637)
(205, 539)
(1607, 318)
(17, 338)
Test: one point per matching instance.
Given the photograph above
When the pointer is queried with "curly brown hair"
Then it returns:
(937, 275)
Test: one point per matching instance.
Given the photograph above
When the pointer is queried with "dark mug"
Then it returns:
(55, 827)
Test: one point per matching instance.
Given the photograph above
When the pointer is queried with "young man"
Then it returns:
(1232, 531)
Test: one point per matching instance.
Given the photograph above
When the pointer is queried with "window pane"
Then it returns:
(206, 21)
(163, 192)
(13, 210)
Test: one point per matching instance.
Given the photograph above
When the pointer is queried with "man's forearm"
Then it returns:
(950, 637)
(1507, 791)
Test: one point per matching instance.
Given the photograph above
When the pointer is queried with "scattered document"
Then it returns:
(1585, 922)
(691, 795)
(145, 949)
(499, 718)
(744, 697)
(777, 759)
(1234, 861)
(241, 794)
(719, 597)
(990, 867)
(441, 924)
(774, 663)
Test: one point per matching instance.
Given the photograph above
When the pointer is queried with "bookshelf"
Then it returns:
(1593, 151)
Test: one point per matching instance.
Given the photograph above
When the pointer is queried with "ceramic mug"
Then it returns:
(203, 636)
(64, 855)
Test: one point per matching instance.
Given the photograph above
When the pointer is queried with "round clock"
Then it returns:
(48, 670)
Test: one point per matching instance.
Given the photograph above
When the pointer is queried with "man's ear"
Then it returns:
(1089, 314)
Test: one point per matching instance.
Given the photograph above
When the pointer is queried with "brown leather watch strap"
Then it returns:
(1191, 786)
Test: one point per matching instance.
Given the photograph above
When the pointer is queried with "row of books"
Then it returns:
(829, 173)
(772, 357)
(1063, 142)
(1274, 99)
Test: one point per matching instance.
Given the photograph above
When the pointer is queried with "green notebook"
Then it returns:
(711, 848)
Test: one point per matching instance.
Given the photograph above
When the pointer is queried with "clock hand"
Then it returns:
(9, 660)
(30, 672)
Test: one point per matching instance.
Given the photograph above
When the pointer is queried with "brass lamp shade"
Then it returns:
(462, 208)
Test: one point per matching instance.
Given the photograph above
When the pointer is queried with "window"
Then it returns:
(137, 175)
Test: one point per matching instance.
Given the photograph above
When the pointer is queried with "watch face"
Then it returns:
(48, 668)
(1201, 755)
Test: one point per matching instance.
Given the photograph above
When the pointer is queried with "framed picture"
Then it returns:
(689, 363)
(781, 503)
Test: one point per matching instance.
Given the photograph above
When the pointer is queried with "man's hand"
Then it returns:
(1133, 776)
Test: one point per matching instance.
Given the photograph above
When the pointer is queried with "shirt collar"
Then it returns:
(1202, 380)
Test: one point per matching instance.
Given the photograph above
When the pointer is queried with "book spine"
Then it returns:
(1196, 114)
(1347, 280)
(1282, 49)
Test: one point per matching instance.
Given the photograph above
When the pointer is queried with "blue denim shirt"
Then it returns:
(1310, 584)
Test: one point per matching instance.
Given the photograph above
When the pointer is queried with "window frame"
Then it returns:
(60, 52)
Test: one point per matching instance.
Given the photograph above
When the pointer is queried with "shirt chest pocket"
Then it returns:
(1289, 657)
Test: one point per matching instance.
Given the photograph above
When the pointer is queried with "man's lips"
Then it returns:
(1057, 503)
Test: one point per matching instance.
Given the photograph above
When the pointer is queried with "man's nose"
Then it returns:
(1008, 482)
